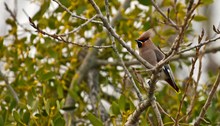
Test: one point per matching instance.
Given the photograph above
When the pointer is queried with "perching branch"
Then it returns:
(122, 42)
(117, 37)
(134, 117)
(175, 58)
(208, 101)
(157, 113)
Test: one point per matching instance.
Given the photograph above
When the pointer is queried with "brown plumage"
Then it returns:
(149, 52)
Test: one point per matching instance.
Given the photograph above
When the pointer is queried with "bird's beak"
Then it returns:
(139, 43)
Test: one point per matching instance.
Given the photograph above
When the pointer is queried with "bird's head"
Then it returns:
(144, 37)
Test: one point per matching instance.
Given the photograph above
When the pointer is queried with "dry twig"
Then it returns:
(60, 38)
(74, 15)
(209, 99)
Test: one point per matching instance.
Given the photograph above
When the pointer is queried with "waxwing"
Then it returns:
(150, 52)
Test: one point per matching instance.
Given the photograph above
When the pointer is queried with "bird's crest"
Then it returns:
(146, 35)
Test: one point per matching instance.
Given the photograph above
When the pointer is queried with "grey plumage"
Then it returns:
(149, 52)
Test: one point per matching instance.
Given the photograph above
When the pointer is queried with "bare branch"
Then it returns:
(166, 17)
(107, 10)
(133, 118)
(117, 37)
(193, 100)
(189, 81)
(60, 38)
(199, 45)
(79, 27)
(187, 19)
(87, 64)
(157, 113)
(74, 15)
(13, 15)
(208, 101)
(175, 58)
(120, 59)
(164, 112)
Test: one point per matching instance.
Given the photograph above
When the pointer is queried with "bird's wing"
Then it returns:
(159, 55)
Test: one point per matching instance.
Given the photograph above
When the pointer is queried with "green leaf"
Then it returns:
(1, 121)
(52, 23)
(26, 117)
(60, 91)
(80, 10)
(122, 102)
(1, 43)
(59, 122)
(147, 25)
(44, 7)
(94, 120)
(200, 18)
(53, 53)
(207, 2)
(16, 116)
(114, 109)
(48, 76)
(145, 2)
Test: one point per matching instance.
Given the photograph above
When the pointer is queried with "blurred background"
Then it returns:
(41, 70)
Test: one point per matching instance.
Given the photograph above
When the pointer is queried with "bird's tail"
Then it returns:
(172, 84)
(169, 77)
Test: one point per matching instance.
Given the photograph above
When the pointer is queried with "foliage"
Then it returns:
(41, 69)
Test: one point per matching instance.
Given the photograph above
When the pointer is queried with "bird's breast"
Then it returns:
(149, 55)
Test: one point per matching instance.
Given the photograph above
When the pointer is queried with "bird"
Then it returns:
(152, 54)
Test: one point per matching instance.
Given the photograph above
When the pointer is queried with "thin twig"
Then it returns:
(167, 18)
(14, 94)
(79, 27)
(199, 45)
(187, 19)
(86, 65)
(189, 81)
(208, 101)
(132, 118)
(74, 15)
(175, 58)
(60, 38)
(193, 100)
(164, 112)
(117, 37)
(157, 113)
(107, 10)
(129, 74)
(13, 15)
